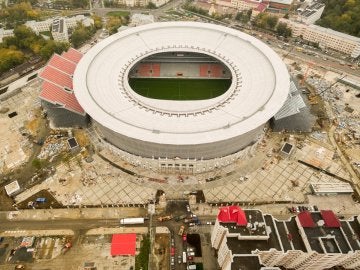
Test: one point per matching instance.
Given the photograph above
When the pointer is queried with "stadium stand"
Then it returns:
(57, 77)
(57, 96)
(54, 94)
(72, 55)
(204, 70)
(62, 64)
(144, 70)
(155, 70)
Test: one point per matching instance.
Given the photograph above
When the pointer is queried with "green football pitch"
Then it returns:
(179, 89)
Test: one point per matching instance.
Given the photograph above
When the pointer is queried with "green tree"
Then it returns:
(37, 164)
(10, 58)
(243, 16)
(343, 16)
(81, 34)
(97, 21)
(151, 5)
(266, 21)
(283, 30)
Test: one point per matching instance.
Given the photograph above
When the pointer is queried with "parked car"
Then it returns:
(184, 237)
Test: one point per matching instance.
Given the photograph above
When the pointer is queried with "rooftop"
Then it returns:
(252, 223)
(57, 85)
(123, 244)
(250, 101)
(246, 263)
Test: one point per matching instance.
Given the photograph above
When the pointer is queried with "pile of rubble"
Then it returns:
(53, 146)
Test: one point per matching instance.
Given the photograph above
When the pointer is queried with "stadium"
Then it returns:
(181, 90)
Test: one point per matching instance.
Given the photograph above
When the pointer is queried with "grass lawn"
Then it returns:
(179, 89)
(118, 13)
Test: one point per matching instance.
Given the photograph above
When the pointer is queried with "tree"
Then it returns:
(244, 16)
(271, 21)
(97, 21)
(266, 21)
(10, 58)
(343, 16)
(113, 23)
(151, 5)
(81, 34)
(283, 30)
(37, 164)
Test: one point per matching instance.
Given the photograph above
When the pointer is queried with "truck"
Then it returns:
(164, 218)
(184, 257)
(129, 221)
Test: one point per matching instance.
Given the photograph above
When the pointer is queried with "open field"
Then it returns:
(179, 89)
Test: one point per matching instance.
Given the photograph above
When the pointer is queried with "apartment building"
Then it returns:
(327, 38)
(311, 13)
(70, 22)
(258, 5)
(141, 3)
(59, 30)
(308, 241)
(6, 33)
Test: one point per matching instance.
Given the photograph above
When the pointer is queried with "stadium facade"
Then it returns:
(192, 129)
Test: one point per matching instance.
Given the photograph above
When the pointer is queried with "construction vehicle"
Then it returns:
(164, 218)
(181, 230)
(66, 247)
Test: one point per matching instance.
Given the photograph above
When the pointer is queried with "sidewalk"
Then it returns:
(78, 213)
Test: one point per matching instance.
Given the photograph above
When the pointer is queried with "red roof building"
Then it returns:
(58, 85)
(330, 219)
(306, 220)
(54, 94)
(72, 55)
(57, 77)
(62, 64)
(123, 244)
(232, 214)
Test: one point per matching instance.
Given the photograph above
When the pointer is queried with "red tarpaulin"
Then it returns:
(123, 244)
(330, 219)
(232, 214)
(306, 220)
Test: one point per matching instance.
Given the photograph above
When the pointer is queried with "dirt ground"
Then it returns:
(162, 252)
(50, 201)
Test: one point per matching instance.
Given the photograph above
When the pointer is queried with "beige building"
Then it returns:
(327, 38)
(141, 3)
(309, 241)
(59, 26)
(258, 5)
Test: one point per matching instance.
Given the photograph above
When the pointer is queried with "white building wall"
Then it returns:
(40, 26)
(313, 17)
(326, 38)
(352, 261)
(63, 35)
(224, 253)
(217, 235)
(244, 5)
(6, 33)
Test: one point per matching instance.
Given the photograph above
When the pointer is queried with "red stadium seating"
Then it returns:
(155, 70)
(204, 68)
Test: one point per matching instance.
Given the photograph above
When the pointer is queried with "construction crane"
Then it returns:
(309, 65)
